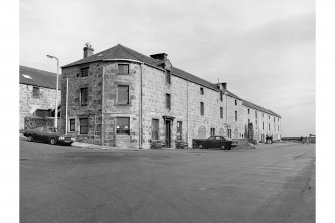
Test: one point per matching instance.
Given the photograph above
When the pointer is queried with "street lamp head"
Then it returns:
(51, 57)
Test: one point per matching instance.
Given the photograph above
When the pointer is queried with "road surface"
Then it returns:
(273, 183)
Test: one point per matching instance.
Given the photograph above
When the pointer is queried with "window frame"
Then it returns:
(36, 92)
(235, 102)
(168, 101)
(168, 77)
(202, 108)
(153, 133)
(121, 71)
(180, 130)
(202, 91)
(221, 112)
(235, 116)
(221, 96)
(81, 96)
(70, 125)
(83, 127)
(124, 131)
(118, 93)
(84, 71)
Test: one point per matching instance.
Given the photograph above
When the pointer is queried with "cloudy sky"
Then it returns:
(264, 50)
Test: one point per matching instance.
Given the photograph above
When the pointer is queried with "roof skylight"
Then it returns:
(26, 76)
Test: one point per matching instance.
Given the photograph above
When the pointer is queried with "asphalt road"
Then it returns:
(274, 183)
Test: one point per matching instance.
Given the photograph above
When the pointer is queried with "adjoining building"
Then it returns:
(37, 93)
(122, 98)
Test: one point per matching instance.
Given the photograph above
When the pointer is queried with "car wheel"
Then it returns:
(30, 138)
(52, 141)
(223, 147)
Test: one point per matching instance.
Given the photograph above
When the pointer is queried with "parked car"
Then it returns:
(218, 142)
(48, 134)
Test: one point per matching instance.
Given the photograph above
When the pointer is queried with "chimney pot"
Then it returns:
(88, 50)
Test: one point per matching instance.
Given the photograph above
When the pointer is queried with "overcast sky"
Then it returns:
(264, 50)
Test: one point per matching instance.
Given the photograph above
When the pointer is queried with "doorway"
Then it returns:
(168, 133)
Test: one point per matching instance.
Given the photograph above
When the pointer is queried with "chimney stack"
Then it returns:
(224, 85)
(88, 50)
(159, 56)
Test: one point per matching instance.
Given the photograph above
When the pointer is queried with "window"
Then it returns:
(278, 127)
(269, 127)
(212, 131)
(123, 68)
(155, 129)
(168, 101)
(248, 111)
(83, 125)
(221, 112)
(202, 108)
(256, 114)
(201, 90)
(122, 126)
(72, 125)
(263, 125)
(123, 94)
(179, 130)
(235, 102)
(36, 92)
(274, 119)
(168, 77)
(84, 72)
(221, 96)
(236, 116)
(84, 96)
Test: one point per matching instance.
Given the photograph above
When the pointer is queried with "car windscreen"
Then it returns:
(52, 130)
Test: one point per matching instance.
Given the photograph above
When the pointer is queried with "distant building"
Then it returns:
(120, 97)
(37, 93)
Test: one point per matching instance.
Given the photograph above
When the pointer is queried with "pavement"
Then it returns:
(273, 183)
(93, 146)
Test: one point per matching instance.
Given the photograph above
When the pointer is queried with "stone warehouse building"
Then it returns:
(37, 92)
(120, 97)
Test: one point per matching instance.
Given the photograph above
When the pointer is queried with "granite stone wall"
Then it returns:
(29, 103)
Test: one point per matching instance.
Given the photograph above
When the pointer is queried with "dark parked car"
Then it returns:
(218, 142)
(48, 134)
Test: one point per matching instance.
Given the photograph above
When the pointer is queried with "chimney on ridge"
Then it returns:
(88, 50)
(159, 56)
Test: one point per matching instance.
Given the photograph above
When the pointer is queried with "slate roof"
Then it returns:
(39, 78)
(121, 52)
(260, 108)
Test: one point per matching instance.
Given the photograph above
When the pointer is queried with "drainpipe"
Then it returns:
(102, 107)
(66, 102)
(141, 101)
(227, 112)
(187, 111)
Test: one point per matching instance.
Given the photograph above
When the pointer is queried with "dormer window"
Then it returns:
(123, 68)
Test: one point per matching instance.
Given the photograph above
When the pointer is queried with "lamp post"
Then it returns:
(56, 107)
